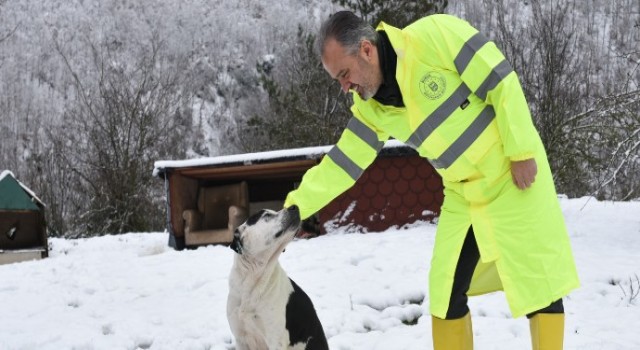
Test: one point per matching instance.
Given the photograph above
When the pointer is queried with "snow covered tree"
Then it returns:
(578, 62)
(557, 86)
(616, 138)
(398, 13)
(306, 107)
(572, 82)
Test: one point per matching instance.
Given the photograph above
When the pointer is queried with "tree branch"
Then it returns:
(9, 34)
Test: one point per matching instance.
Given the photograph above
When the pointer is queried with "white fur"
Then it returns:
(258, 286)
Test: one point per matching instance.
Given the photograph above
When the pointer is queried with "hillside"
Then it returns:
(93, 92)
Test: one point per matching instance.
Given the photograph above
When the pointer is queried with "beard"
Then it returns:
(371, 82)
(365, 93)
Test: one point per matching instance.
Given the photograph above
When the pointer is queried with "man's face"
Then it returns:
(360, 72)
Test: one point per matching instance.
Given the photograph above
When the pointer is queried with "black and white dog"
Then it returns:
(266, 309)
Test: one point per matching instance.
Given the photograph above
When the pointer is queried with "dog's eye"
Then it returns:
(268, 215)
(262, 215)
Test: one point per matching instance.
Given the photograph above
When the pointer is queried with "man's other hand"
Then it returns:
(524, 173)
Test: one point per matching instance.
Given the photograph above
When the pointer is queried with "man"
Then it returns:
(444, 89)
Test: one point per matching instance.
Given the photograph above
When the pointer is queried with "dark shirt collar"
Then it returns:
(389, 92)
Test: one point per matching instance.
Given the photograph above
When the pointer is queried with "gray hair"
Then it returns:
(348, 30)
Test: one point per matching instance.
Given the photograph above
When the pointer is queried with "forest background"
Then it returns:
(93, 92)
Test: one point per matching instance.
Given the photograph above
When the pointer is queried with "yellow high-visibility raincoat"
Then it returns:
(466, 113)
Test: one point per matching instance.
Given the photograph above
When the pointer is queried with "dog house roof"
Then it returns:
(287, 161)
(15, 195)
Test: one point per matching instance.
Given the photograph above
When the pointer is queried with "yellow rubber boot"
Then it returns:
(547, 331)
(452, 334)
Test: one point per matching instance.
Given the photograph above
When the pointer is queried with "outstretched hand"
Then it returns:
(524, 173)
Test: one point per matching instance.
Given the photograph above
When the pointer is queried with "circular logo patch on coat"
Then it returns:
(433, 85)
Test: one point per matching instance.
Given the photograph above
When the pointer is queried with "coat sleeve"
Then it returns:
(457, 46)
(339, 169)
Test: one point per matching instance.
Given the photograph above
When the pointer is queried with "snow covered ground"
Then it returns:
(133, 292)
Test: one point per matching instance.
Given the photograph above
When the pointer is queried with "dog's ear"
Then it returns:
(236, 245)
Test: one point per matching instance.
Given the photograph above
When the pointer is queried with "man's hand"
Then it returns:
(524, 173)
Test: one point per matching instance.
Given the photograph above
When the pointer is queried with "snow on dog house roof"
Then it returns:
(14, 195)
(251, 165)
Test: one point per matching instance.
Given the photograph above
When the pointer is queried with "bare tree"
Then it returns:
(558, 92)
(616, 133)
(55, 182)
(7, 35)
(545, 50)
(121, 123)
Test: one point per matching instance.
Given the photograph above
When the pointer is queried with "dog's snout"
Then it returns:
(293, 213)
(236, 244)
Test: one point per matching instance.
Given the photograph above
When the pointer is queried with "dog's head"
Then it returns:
(266, 233)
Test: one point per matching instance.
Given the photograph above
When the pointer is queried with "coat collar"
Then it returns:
(395, 36)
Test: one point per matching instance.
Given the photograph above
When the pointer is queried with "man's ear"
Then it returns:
(367, 49)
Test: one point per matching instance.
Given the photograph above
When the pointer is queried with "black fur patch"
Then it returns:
(255, 217)
(302, 321)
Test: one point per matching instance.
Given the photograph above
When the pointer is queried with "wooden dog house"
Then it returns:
(23, 233)
(399, 188)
